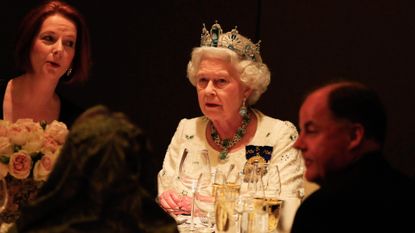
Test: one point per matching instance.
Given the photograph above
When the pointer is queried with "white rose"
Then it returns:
(32, 127)
(57, 153)
(5, 146)
(4, 125)
(18, 135)
(58, 131)
(34, 144)
(4, 170)
(29, 124)
(20, 164)
(23, 131)
(43, 167)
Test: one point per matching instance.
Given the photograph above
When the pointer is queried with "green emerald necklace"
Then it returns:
(227, 143)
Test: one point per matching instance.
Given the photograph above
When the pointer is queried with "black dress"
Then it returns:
(369, 196)
(68, 113)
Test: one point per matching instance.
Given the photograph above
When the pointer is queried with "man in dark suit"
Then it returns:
(343, 128)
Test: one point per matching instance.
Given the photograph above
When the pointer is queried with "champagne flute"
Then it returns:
(194, 163)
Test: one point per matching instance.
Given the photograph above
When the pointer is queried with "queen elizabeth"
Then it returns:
(229, 76)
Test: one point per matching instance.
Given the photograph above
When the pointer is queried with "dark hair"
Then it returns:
(30, 26)
(96, 179)
(359, 104)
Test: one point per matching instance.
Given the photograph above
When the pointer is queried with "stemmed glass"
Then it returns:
(194, 170)
(252, 204)
(205, 202)
(274, 201)
(225, 200)
(260, 205)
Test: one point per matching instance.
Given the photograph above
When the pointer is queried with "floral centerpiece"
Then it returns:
(28, 151)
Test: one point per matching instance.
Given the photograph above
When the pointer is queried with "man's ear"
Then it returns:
(357, 133)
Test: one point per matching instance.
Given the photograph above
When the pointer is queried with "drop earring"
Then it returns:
(244, 110)
(69, 71)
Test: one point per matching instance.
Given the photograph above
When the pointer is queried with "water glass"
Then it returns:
(193, 165)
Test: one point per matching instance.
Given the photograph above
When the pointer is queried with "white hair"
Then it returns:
(253, 74)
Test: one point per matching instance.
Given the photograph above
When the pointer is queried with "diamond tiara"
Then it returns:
(231, 40)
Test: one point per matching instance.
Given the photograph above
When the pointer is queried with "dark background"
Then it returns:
(140, 53)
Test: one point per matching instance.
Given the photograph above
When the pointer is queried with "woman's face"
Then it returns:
(54, 47)
(220, 91)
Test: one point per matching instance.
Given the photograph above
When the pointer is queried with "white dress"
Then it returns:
(280, 135)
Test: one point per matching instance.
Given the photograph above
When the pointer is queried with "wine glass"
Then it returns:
(261, 204)
(274, 200)
(225, 201)
(205, 202)
(194, 170)
(252, 205)
(219, 180)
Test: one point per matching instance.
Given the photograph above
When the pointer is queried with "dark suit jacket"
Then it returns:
(369, 196)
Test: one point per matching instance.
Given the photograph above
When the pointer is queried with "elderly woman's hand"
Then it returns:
(175, 203)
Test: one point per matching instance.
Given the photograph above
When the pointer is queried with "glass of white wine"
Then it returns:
(273, 201)
(233, 181)
(272, 207)
(219, 180)
(225, 201)
(255, 206)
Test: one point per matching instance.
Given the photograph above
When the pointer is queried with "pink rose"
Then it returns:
(20, 164)
(49, 145)
(43, 167)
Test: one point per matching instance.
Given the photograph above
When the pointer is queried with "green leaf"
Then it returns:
(43, 124)
(16, 148)
(36, 156)
(4, 159)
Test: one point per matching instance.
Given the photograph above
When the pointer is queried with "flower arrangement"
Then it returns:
(28, 152)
